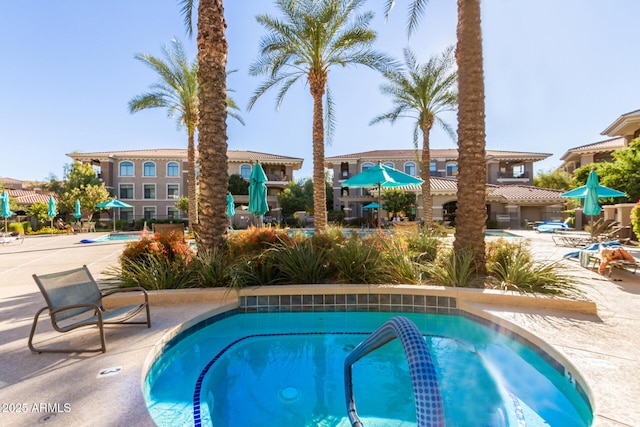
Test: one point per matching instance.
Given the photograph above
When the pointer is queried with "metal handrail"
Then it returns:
(429, 407)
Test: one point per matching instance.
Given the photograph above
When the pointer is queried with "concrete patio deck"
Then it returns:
(63, 389)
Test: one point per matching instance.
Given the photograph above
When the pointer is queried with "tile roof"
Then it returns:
(233, 155)
(597, 147)
(243, 156)
(436, 153)
(626, 124)
(526, 193)
(27, 197)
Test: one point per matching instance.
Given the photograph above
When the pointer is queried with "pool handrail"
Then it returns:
(426, 390)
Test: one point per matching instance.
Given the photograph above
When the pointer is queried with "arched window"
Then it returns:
(149, 169)
(173, 169)
(452, 169)
(366, 166)
(126, 169)
(245, 171)
(389, 165)
(410, 168)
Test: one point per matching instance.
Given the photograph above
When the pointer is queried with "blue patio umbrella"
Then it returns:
(5, 210)
(591, 192)
(52, 211)
(78, 213)
(110, 204)
(258, 192)
(381, 176)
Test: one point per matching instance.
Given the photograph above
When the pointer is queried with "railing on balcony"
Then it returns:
(512, 175)
(273, 177)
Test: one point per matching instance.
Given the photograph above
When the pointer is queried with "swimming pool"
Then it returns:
(286, 369)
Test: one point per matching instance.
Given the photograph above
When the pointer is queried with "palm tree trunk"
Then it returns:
(191, 181)
(427, 203)
(471, 210)
(319, 186)
(212, 131)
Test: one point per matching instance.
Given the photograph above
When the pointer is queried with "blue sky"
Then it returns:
(557, 73)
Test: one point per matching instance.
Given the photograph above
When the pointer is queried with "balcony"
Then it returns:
(522, 177)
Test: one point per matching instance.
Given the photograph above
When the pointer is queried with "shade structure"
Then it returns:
(372, 205)
(591, 192)
(5, 210)
(110, 204)
(78, 213)
(258, 192)
(381, 176)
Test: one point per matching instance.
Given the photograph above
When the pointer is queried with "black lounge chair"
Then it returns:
(74, 300)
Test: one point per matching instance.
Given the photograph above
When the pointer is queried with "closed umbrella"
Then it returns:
(4, 208)
(381, 176)
(52, 211)
(258, 192)
(111, 204)
(231, 208)
(78, 213)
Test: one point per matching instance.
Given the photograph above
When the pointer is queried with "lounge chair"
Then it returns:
(74, 300)
(14, 237)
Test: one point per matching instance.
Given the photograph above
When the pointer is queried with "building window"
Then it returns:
(173, 212)
(452, 169)
(433, 169)
(366, 166)
(126, 191)
(126, 214)
(173, 191)
(149, 191)
(410, 168)
(245, 171)
(389, 165)
(149, 169)
(126, 169)
(173, 169)
(149, 212)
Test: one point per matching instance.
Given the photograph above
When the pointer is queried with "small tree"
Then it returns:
(83, 184)
(557, 179)
(238, 185)
(39, 210)
(395, 200)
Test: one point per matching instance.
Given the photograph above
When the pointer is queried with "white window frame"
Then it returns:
(178, 214)
(242, 166)
(133, 168)
(177, 196)
(452, 173)
(365, 166)
(155, 192)
(415, 168)
(155, 212)
(133, 190)
(177, 165)
(144, 169)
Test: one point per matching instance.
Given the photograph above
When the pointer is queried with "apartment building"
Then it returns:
(512, 200)
(152, 180)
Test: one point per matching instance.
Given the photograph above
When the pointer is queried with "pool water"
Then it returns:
(286, 369)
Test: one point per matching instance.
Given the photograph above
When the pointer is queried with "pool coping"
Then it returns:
(469, 303)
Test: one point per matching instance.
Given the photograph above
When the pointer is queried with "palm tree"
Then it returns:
(422, 93)
(471, 214)
(177, 91)
(212, 130)
(311, 38)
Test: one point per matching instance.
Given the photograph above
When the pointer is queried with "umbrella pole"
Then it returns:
(379, 203)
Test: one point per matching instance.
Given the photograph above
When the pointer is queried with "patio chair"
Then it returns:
(74, 300)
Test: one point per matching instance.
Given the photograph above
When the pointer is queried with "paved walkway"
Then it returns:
(64, 390)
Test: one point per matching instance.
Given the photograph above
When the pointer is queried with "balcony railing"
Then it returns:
(511, 175)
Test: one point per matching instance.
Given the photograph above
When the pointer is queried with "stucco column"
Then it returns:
(609, 212)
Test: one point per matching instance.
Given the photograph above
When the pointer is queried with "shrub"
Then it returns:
(358, 260)
(635, 219)
(169, 246)
(453, 268)
(211, 268)
(154, 272)
(254, 241)
(16, 227)
(301, 261)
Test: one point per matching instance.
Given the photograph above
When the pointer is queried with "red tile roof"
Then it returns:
(436, 153)
(597, 147)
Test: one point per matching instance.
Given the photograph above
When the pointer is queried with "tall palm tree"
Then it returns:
(422, 93)
(312, 37)
(471, 214)
(176, 91)
(212, 130)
